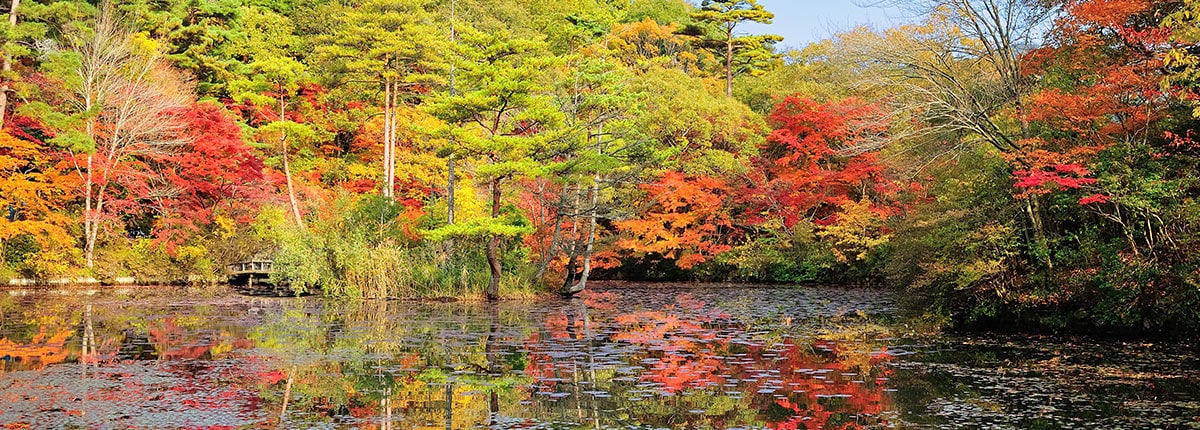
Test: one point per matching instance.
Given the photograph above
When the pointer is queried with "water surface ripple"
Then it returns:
(627, 357)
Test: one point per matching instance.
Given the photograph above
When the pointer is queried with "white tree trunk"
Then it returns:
(387, 137)
(593, 213)
(287, 170)
(391, 156)
(136, 100)
(89, 216)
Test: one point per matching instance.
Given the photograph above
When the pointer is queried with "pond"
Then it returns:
(623, 356)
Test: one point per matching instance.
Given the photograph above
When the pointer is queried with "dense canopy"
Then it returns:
(1003, 159)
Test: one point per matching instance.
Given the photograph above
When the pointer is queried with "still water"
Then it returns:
(640, 357)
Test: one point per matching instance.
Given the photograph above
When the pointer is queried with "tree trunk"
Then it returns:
(89, 215)
(450, 189)
(94, 232)
(592, 215)
(448, 245)
(287, 394)
(386, 403)
(729, 63)
(387, 137)
(493, 248)
(391, 157)
(449, 405)
(492, 352)
(450, 159)
(591, 240)
(89, 359)
(571, 269)
(287, 170)
(555, 238)
(574, 251)
(7, 67)
(287, 173)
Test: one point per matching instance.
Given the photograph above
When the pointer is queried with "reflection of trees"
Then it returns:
(493, 360)
(382, 361)
(592, 360)
(36, 336)
(703, 369)
(98, 357)
(43, 349)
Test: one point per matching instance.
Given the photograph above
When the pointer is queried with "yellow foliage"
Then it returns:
(646, 44)
(858, 231)
(470, 202)
(191, 252)
(32, 194)
(356, 171)
(416, 155)
(226, 227)
(142, 43)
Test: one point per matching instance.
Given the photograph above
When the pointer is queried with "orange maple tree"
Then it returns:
(1108, 62)
(688, 220)
(32, 193)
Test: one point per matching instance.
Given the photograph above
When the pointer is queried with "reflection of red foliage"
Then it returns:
(541, 366)
(595, 300)
(674, 373)
(364, 411)
(558, 325)
(687, 348)
(171, 344)
(821, 389)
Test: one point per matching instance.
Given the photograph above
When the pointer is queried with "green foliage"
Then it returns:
(794, 257)
(957, 249)
(511, 224)
(696, 131)
(743, 54)
(661, 11)
(24, 257)
(1086, 211)
(808, 72)
(367, 251)
(1182, 62)
(379, 41)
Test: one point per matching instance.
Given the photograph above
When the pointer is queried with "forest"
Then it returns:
(1028, 161)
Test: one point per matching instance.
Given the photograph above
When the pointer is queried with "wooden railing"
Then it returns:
(252, 267)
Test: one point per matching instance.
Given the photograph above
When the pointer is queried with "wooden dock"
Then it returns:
(253, 278)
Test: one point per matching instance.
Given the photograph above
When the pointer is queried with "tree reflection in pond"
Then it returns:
(718, 358)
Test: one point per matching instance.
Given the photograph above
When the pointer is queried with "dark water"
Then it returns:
(617, 358)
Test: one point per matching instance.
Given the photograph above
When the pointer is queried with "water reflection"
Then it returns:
(661, 358)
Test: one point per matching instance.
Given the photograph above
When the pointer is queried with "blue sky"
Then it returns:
(801, 22)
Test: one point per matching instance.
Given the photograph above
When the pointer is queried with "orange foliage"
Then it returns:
(688, 222)
(44, 349)
(1106, 13)
(32, 193)
(540, 198)
(1115, 56)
